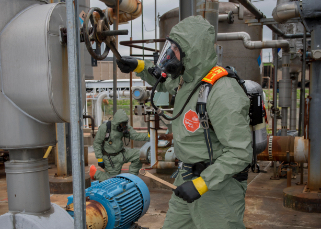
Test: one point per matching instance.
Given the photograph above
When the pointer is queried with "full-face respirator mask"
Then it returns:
(122, 127)
(169, 62)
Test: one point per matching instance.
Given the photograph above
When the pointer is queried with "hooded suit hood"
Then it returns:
(196, 37)
(119, 117)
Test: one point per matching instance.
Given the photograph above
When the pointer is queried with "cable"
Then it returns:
(158, 110)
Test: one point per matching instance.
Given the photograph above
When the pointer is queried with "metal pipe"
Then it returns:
(92, 123)
(131, 9)
(186, 9)
(223, 17)
(153, 138)
(280, 146)
(130, 89)
(285, 92)
(285, 11)
(209, 11)
(253, 44)
(289, 177)
(78, 170)
(314, 178)
(164, 165)
(294, 77)
(258, 14)
(114, 60)
(284, 121)
(99, 101)
(302, 89)
(27, 181)
(275, 102)
(61, 148)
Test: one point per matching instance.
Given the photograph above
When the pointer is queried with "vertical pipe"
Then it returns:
(155, 25)
(314, 179)
(62, 152)
(143, 29)
(302, 90)
(294, 77)
(152, 141)
(115, 27)
(285, 91)
(284, 121)
(275, 79)
(289, 177)
(130, 91)
(186, 8)
(75, 115)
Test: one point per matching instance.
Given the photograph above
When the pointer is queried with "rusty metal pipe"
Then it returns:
(92, 123)
(278, 146)
(129, 10)
(164, 165)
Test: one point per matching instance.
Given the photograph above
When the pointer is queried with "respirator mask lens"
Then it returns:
(122, 127)
(169, 60)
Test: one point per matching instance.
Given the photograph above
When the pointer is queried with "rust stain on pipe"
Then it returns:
(280, 145)
(164, 165)
(296, 146)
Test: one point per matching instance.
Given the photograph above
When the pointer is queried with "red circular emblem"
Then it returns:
(191, 121)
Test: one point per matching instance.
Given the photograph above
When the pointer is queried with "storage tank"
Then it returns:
(235, 54)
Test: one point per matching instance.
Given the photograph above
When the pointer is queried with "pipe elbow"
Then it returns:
(285, 11)
(129, 10)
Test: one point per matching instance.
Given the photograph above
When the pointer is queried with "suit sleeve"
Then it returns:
(228, 108)
(137, 136)
(99, 138)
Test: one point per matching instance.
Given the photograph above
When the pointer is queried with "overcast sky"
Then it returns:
(163, 6)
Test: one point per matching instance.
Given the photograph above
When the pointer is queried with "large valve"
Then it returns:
(98, 31)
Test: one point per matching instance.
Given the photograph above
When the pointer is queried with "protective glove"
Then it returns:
(191, 190)
(101, 163)
(129, 64)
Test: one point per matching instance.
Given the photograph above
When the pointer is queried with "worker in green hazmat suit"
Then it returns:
(207, 195)
(110, 151)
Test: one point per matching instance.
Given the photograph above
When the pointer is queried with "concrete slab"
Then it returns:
(264, 201)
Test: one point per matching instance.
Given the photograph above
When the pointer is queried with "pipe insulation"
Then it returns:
(285, 11)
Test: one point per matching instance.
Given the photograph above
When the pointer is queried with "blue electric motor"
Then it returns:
(125, 197)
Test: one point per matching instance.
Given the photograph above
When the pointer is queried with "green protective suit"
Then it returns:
(227, 106)
(115, 144)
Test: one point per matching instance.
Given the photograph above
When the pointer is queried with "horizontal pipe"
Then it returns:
(223, 17)
(253, 44)
(279, 146)
(258, 14)
(164, 165)
(285, 11)
(115, 32)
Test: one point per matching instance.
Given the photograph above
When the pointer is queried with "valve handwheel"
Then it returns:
(94, 33)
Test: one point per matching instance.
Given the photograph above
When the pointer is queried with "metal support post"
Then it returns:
(115, 27)
(131, 97)
(314, 178)
(294, 77)
(302, 90)
(78, 170)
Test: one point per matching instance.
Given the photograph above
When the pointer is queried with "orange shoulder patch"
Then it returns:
(215, 74)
